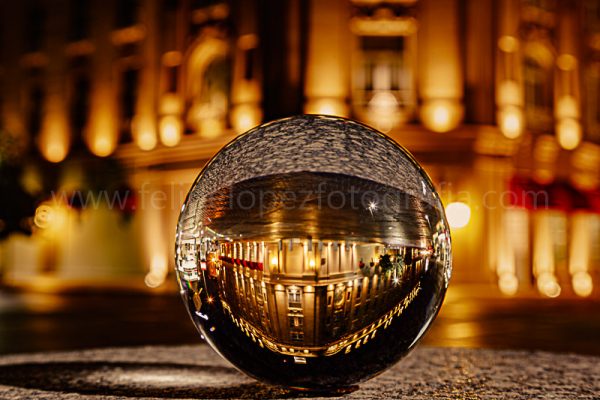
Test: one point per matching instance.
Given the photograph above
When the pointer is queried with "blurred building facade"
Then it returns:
(499, 99)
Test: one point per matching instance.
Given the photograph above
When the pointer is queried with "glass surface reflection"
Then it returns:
(313, 252)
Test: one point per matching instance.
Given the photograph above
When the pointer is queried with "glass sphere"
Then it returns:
(313, 252)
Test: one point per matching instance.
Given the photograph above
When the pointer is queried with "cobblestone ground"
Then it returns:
(197, 372)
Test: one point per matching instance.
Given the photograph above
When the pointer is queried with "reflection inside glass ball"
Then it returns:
(313, 253)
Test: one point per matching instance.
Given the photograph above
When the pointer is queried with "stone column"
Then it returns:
(567, 97)
(440, 69)
(327, 82)
(509, 81)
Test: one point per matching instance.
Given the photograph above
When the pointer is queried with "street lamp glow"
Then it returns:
(511, 122)
(582, 284)
(458, 214)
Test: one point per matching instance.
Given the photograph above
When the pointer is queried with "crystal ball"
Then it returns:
(313, 253)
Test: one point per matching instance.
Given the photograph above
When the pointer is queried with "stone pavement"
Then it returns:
(197, 372)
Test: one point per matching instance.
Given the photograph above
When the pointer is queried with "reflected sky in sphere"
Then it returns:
(313, 252)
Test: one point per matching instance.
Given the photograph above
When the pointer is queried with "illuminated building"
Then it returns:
(275, 293)
(499, 100)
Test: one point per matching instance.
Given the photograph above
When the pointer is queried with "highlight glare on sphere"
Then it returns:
(320, 265)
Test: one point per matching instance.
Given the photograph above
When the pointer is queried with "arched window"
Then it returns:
(383, 79)
(208, 79)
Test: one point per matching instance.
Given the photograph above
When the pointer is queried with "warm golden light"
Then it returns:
(31, 180)
(311, 263)
(582, 284)
(158, 271)
(55, 151)
(245, 117)
(543, 254)
(580, 248)
(146, 141)
(569, 134)
(548, 285)
(170, 130)
(50, 217)
(144, 133)
(54, 138)
(510, 121)
(508, 284)
(102, 135)
(567, 107)
(383, 111)
(566, 62)
(101, 146)
(43, 217)
(544, 175)
(274, 261)
(458, 214)
(171, 103)
(326, 106)
(509, 93)
(172, 58)
(211, 127)
(508, 44)
(441, 115)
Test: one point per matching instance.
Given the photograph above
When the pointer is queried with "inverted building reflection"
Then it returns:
(304, 297)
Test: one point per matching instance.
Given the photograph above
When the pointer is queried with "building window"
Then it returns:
(338, 316)
(294, 298)
(296, 325)
(538, 81)
(383, 81)
(296, 321)
(339, 295)
(359, 290)
(210, 101)
(128, 100)
(537, 30)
